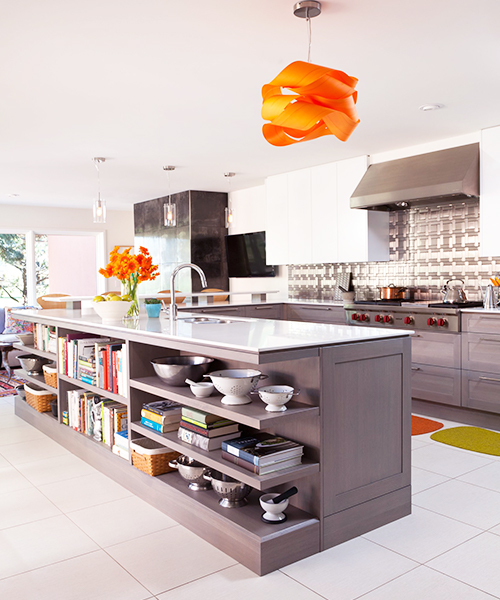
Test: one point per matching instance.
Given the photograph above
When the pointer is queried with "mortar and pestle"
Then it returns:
(275, 505)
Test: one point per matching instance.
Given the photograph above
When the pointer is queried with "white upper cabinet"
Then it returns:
(309, 219)
(299, 217)
(324, 213)
(489, 204)
(277, 220)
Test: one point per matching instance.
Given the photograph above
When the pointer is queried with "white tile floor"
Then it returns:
(67, 532)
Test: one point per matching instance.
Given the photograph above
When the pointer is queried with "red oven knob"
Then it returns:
(365, 317)
(379, 318)
(355, 317)
(431, 321)
(409, 320)
(388, 319)
(442, 322)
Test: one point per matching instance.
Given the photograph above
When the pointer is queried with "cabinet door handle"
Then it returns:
(316, 308)
(416, 335)
(489, 340)
(416, 369)
(263, 307)
(489, 379)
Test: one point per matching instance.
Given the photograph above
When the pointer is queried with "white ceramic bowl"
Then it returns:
(111, 311)
(202, 389)
(274, 512)
(276, 396)
(235, 384)
(25, 338)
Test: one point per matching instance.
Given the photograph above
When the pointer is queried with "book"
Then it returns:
(121, 439)
(214, 425)
(199, 416)
(201, 441)
(160, 428)
(263, 448)
(162, 407)
(263, 469)
(232, 428)
(173, 417)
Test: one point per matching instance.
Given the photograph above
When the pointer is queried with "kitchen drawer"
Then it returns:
(235, 311)
(264, 311)
(481, 352)
(479, 323)
(436, 384)
(481, 390)
(316, 314)
(436, 349)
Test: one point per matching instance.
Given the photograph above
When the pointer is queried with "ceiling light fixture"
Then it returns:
(317, 100)
(427, 107)
(99, 204)
(228, 211)
(169, 209)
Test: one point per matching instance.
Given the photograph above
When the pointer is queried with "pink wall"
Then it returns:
(72, 265)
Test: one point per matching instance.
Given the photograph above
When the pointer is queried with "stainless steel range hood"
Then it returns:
(446, 175)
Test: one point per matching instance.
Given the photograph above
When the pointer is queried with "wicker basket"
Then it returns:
(38, 398)
(151, 457)
(50, 375)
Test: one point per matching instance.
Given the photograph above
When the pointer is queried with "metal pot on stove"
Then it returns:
(454, 294)
(392, 292)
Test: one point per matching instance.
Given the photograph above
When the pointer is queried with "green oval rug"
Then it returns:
(470, 438)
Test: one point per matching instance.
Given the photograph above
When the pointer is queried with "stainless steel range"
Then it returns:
(398, 314)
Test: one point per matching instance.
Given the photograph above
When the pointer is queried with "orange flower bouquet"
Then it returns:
(131, 269)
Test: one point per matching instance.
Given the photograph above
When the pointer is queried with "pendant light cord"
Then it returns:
(308, 21)
(96, 163)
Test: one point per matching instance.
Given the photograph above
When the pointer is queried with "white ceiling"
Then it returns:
(148, 83)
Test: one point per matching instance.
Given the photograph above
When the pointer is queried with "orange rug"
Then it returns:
(419, 425)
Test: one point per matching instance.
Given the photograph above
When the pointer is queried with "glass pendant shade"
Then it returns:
(228, 216)
(170, 214)
(100, 211)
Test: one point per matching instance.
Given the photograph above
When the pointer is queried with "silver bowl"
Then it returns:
(32, 363)
(192, 471)
(174, 370)
(233, 493)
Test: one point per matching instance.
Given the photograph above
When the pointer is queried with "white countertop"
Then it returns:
(245, 334)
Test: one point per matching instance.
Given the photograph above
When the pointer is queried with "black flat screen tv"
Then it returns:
(246, 255)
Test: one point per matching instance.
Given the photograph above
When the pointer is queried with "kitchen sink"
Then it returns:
(204, 320)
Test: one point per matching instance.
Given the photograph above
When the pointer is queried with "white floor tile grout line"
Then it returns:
(462, 582)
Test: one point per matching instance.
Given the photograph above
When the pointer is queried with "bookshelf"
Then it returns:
(349, 482)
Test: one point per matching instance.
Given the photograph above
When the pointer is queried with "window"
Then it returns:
(33, 264)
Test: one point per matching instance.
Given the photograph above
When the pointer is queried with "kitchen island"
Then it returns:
(352, 417)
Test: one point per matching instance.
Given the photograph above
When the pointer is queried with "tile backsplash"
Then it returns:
(428, 246)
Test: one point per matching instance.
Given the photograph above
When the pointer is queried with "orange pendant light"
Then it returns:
(319, 100)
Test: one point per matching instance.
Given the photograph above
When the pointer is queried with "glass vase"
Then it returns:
(130, 289)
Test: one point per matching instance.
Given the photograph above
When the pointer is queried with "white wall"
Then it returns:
(249, 214)
(119, 229)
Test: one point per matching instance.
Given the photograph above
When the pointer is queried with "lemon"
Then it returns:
(113, 298)
(126, 298)
(99, 299)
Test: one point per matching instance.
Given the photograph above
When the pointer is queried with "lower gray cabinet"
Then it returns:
(264, 311)
(316, 314)
(481, 390)
(236, 311)
(481, 352)
(435, 384)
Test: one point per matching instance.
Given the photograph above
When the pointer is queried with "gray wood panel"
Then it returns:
(357, 520)
(481, 352)
(366, 422)
(481, 323)
(436, 384)
(481, 390)
(316, 314)
(460, 414)
(436, 349)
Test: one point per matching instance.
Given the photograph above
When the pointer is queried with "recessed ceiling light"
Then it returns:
(426, 107)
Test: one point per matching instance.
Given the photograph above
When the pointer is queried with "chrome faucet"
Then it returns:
(173, 305)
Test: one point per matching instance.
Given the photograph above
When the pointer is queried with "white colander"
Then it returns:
(235, 384)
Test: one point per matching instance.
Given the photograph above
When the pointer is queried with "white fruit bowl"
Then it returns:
(111, 311)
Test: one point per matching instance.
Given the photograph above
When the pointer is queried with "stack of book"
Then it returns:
(263, 453)
(44, 338)
(204, 430)
(162, 416)
(94, 360)
(121, 447)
